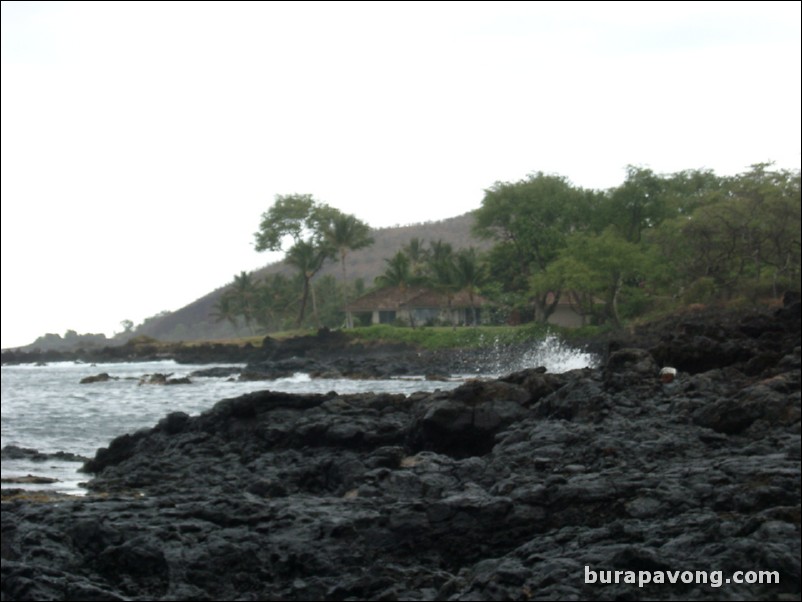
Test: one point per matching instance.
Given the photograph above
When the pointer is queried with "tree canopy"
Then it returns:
(529, 220)
(310, 232)
(691, 235)
(655, 241)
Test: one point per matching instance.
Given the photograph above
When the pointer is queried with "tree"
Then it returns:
(749, 230)
(418, 256)
(571, 275)
(442, 272)
(225, 309)
(309, 230)
(330, 311)
(470, 275)
(308, 259)
(299, 218)
(290, 216)
(637, 204)
(346, 233)
(530, 220)
(770, 233)
(595, 267)
(685, 191)
(240, 300)
(397, 272)
(278, 296)
(244, 296)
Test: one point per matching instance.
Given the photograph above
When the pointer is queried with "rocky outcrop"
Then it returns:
(163, 379)
(29, 479)
(97, 378)
(14, 452)
(496, 490)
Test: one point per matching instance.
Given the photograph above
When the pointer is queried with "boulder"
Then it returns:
(97, 378)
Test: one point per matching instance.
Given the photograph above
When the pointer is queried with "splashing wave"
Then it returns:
(551, 352)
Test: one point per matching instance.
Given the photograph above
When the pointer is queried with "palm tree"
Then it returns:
(443, 272)
(470, 275)
(397, 273)
(346, 233)
(245, 297)
(308, 258)
(225, 309)
(440, 251)
(417, 254)
(277, 294)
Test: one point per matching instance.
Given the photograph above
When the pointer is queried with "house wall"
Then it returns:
(565, 316)
(384, 316)
(425, 316)
(460, 316)
(420, 316)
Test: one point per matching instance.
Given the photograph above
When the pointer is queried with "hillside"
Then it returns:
(194, 321)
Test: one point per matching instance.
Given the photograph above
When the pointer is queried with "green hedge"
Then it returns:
(445, 337)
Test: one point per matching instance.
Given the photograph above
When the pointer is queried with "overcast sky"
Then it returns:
(141, 142)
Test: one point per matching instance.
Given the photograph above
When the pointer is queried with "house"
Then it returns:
(566, 313)
(417, 306)
(572, 310)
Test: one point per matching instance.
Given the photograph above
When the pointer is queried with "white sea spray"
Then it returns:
(550, 352)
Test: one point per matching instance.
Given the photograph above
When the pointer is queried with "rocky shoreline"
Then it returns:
(324, 346)
(509, 489)
(328, 354)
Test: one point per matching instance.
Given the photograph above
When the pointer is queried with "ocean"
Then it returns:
(45, 408)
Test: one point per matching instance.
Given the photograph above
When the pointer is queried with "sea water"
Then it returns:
(47, 409)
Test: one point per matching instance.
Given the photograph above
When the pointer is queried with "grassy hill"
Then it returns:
(195, 321)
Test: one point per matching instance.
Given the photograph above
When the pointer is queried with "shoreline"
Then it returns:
(496, 489)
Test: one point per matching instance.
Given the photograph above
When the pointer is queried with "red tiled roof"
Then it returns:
(388, 298)
(432, 298)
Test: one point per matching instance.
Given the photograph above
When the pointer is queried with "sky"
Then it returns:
(142, 141)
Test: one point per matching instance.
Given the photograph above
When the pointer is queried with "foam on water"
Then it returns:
(550, 352)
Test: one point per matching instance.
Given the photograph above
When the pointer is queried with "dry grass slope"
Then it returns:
(194, 321)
